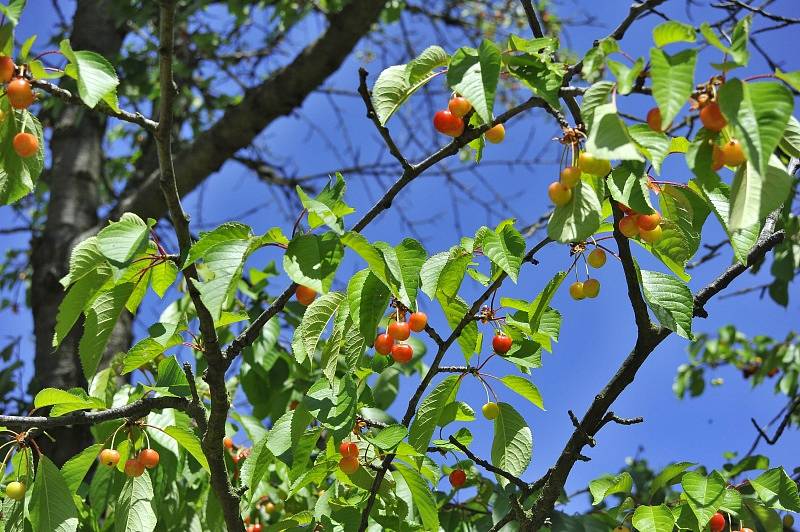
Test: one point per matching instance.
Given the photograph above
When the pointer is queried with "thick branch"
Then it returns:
(643, 323)
(521, 484)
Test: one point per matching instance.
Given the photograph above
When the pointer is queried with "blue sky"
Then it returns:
(596, 335)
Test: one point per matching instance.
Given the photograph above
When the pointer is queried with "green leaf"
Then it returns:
(505, 247)
(75, 469)
(594, 96)
(171, 379)
(672, 31)
(791, 138)
(609, 137)
(54, 396)
(78, 298)
(316, 317)
(120, 241)
(538, 73)
(578, 219)
(673, 80)
(474, 74)
(758, 113)
(429, 412)
(628, 185)
(670, 300)
(512, 447)
(525, 388)
(777, 490)
(654, 144)
(18, 175)
(668, 476)
(653, 519)
(388, 438)
(626, 76)
(705, 493)
(539, 306)
(742, 240)
(187, 439)
(455, 309)
(397, 83)
(101, 318)
(738, 49)
(754, 195)
(605, 486)
(162, 276)
(328, 207)
(51, 506)
(791, 78)
(134, 509)
(333, 404)
(404, 263)
(367, 298)
(311, 260)
(95, 75)
(13, 11)
(421, 495)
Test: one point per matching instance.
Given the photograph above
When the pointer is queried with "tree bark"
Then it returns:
(77, 165)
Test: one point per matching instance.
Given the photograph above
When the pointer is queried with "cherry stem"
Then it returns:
(47, 52)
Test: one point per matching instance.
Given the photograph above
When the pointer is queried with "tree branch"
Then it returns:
(521, 484)
(642, 317)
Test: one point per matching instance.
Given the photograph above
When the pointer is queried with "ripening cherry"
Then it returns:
(109, 457)
(597, 258)
(383, 344)
(576, 290)
(717, 522)
(501, 343)
(788, 521)
(711, 117)
(652, 236)
(591, 288)
(559, 194)
(570, 176)
(628, 226)
(447, 123)
(717, 161)
(654, 119)
(457, 478)
(496, 134)
(20, 93)
(304, 295)
(746, 530)
(348, 464)
(592, 165)
(490, 410)
(7, 68)
(417, 321)
(402, 353)
(399, 330)
(134, 468)
(621, 528)
(648, 222)
(227, 442)
(148, 458)
(732, 153)
(348, 448)
(459, 106)
(25, 144)
(256, 527)
(15, 490)
(270, 508)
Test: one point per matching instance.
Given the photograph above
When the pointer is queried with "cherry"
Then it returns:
(270, 508)
(227, 442)
(383, 344)
(576, 290)
(490, 410)
(348, 448)
(559, 194)
(654, 119)
(417, 321)
(457, 478)
(732, 153)
(717, 161)
(496, 134)
(788, 521)
(591, 288)
(20, 94)
(501, 343)
(256, 527)
(109, 457)
(236, 457)
(621, 528)
(459, 106)
(570, 176)
(629, 226)
(25, 144)
(597, 258)
(149, 458)
(293, 404)
(134, 468)
(648, 222)
(746, 530)
(399, 330)
(348, 464)
(15, 490)
(6, 69)
(305, 295)
(447, 123)
(402, 353)
(711, 117)
(592, 165)
(717, 522)
(652, 236)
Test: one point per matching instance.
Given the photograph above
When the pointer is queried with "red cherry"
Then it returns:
(149, 458)
(20, 93)
(257, 527)
(383, 344)
(648, 222)
(402, 353)
(305, 295)
(628, 226)
(6, 69)
(25, 144)
(712, 118)
(417, 321)
(459, 106)
(447, 123)
(348, 464)
(227, 442)
(348, 448)
(501, 343)
(654, 119)
(399, 330)
(134, 468)
(717, 522)
(717, 159)
(457, 478)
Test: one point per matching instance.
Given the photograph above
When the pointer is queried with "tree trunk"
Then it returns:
(77, 166)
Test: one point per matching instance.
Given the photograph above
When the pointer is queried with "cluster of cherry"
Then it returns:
(20, 96)
(393, 340)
